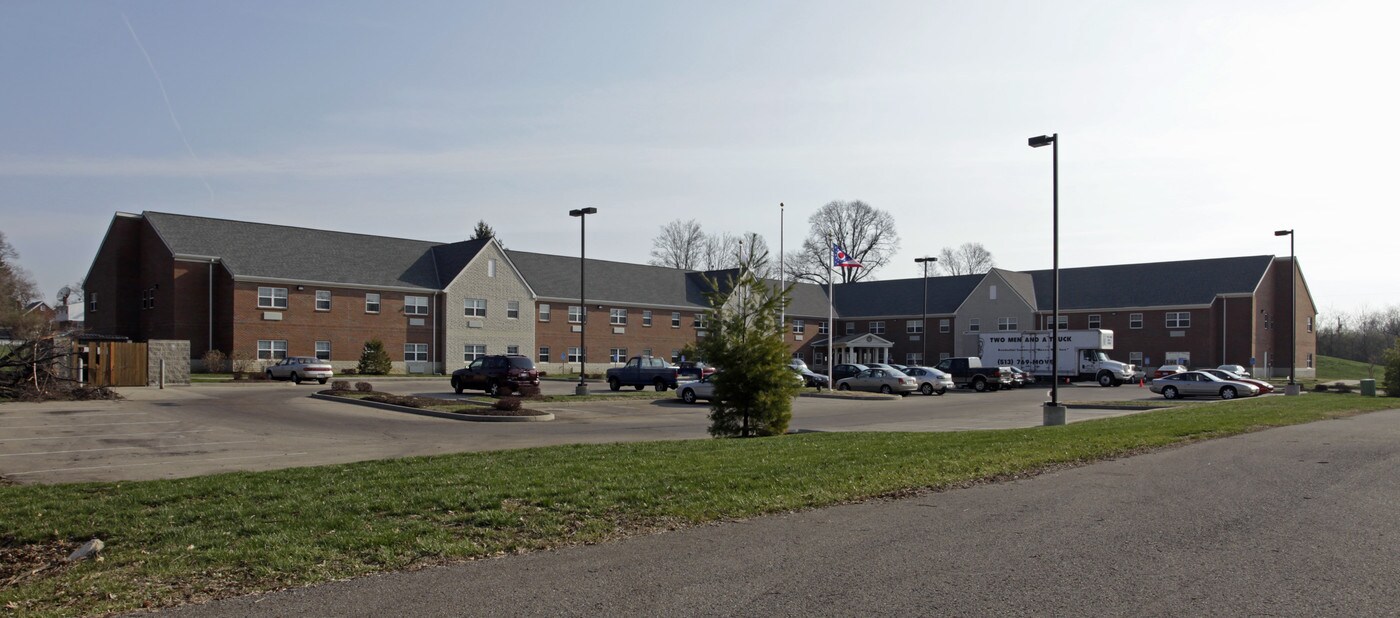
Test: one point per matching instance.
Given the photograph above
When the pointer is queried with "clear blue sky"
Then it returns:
(1189, 129)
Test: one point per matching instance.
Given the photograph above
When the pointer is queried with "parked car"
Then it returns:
(695, 390)
(1264, 387)
(900, 368)
(1238, 370)
(496, 374)
(1201, 384)
(879, 381)
(1017, 377)
(968, 372)
(809, 377)
(1166, 370)
(841, 372)
(931, 381)
(643, 371)
(298, 368)
(693, 370)
(1021, 376)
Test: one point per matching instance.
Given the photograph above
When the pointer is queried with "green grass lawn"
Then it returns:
(193, 539)
(1331, 368)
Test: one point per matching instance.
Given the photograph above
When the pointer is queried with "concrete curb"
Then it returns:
(830, 394)
(482, 418)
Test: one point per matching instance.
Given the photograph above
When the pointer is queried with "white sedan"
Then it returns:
(298, 368)
(693, 391)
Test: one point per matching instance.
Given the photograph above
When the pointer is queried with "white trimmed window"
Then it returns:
(877, 327)
(544, 354)
(92, 302)
(512, 310)
(914, 327)
(415, 305)
(323, 350)
(544, 312)
(1178, 319)
(850, 327)
(1309, 329)
(575, 314)
(943, 355)
(617, 355)
(513, 350)
(799, 327)
(914, 358)
(475, 307)
(702, 321)
(1006, 324)
(415, 352)
(675, 319)
(646, 352)
(491, 267)
(272, 349)
(974, 325)
(1310, 360)
(323, 300)
(1134, 320)
(372, 302)
(945, 325)
(573, 356)
(1095, 320)
(823, 328)
(617, 317)
(473, 351)
(272, 298)
(1064, 322)
(646, 317)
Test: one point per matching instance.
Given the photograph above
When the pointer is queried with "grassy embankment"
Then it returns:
(181, 540)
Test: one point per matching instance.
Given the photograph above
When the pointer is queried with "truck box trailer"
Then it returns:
(1083, 354)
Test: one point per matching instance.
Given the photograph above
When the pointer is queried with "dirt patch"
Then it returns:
(20, 562)
(79, 393)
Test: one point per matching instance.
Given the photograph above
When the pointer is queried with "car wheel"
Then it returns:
(638, 386)
(1228, 392)
(885, 388)
(660, 386)
(926, 388)
(941, 391)
(456, 386)
(492, 389)
(843, 387)
(614, 384)
(1169, 392)
(296, 378)
(1105, 380)
(322, 380)
(688, 396)
(903, 394)
(1117, 382)
(270, 376)
(979, 385)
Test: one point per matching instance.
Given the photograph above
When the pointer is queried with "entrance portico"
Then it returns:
(865, 348)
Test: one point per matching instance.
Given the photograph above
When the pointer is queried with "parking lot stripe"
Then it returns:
(108, 435)
(124, 448)
(71, 415)
(96, 424)
(152, 463)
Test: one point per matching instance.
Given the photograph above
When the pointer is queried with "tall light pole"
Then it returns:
(582, 388)
(1292, 314)
(1054, 412)
(923, 355)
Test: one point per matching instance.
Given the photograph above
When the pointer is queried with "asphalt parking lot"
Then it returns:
(205, 429)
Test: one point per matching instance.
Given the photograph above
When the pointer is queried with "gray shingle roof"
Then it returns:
(284, 252)
(903, 296)
(451, 259)
(1158, 284)
(556, 276)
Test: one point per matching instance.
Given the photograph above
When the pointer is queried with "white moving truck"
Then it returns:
(1082, 354)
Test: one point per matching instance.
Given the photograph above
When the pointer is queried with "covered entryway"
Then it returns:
(865, 348)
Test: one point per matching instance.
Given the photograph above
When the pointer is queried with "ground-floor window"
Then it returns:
(473, 351)
(646, 352)
(914, 358)
(943, 355)
(323, 350)
(1309, 360)
(544, 354)
(1135, 358)
(513, 350)
(415, 352)
(617, 355)
(272, 349)
(797, 355)
(675, 356)
(1178, 358)
(574, 356)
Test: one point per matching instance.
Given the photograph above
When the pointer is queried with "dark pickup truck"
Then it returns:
(643, 371)
(968, 372)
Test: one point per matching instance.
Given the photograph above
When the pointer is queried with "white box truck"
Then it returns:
(1082, 354)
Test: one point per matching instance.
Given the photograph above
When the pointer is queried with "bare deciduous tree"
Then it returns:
(17, 290)
(969, 259)
(864, 232)
(681, 244)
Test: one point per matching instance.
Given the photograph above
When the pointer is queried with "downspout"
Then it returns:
(437, 344)
(1224, 321)
(211, 310)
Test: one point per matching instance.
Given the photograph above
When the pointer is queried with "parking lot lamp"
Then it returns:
(582, 388)
(1292, 314)
(1054, 412)
(923, 355)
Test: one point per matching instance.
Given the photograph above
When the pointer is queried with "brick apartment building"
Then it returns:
(265, 291)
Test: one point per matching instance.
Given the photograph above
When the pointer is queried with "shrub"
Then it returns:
(1392, 370)
(1342, 388)
(508, 403)
(374, 360)
(214, 361)
(529, 391)
(340, 385)
(1321, 388)
(364, 387)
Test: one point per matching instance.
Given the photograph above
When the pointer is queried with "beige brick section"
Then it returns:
(496, 331)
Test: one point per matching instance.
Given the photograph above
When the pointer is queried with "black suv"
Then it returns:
(496, 375)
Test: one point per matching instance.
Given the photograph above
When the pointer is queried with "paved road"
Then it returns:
(1298, 521)
(216, 428)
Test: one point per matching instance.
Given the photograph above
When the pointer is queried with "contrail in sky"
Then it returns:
(171, 108)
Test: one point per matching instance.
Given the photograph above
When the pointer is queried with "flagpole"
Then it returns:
(831, 314)
(782, 275)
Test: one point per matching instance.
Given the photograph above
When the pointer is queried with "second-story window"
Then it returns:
(1006, 324)
(544, 312)
(617, 317)
(575, 314)
(1178, 319)
(372, 302)
(272, 298)
(415, 305)
(914, 327)
(1095, 320)
(476, 307)
(799, 327)
(877, 327)
(513, 309)
(646, 317)
(323, 300)
(675, 319)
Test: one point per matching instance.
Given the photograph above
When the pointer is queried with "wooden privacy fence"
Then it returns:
(114, 363)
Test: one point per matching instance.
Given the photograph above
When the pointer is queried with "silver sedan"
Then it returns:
(1200, 384)
(931, 381)
(298, 368)
(879, 381)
